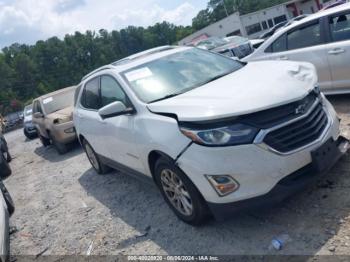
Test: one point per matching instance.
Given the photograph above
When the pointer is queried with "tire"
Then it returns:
(30, 137)
(9, 157)
(8, 199)
(60, 147)
(45, 141)
(4, 166)
(94, 159)
(190, 206)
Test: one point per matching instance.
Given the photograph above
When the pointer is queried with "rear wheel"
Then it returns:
(94, 159)
(180, 193)
(29, 136)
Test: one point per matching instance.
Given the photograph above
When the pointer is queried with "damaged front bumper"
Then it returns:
(323, 159)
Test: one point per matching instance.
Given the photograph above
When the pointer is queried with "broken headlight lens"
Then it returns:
(236, 134)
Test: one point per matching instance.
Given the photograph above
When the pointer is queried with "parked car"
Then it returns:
(29, 129)
(336, 3)
(6, 204)
(215, 134)
(322, 39)
(52, 117)
(295, 19)
(13, 121)
(256, 42)
(7, 208)
(272, 30)
(233, 46)
(5, 156)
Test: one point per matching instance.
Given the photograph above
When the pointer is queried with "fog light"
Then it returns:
(69, 130)
(223, 184)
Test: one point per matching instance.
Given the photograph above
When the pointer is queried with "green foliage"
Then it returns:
(27, 72)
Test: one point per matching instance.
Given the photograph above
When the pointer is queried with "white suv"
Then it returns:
(215, 134)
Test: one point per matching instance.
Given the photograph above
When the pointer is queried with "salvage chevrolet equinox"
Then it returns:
(215, 134)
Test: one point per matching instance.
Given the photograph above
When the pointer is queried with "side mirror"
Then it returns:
(114, 109)
(38, 115)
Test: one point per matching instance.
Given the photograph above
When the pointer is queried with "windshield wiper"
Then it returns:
(165, 97)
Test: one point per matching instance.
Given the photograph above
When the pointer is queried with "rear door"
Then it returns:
(338, 51)
(304, 43)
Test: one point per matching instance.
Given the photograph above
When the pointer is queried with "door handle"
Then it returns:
(283, 57)
(336, 51)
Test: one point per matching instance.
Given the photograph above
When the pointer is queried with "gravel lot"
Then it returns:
(63, 207)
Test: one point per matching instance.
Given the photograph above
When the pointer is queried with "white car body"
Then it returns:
(331, 56)
(131, 139)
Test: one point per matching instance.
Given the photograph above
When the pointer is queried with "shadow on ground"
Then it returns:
(311, 218)
(50, 153)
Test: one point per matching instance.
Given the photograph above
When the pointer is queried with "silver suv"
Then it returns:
(322, 39)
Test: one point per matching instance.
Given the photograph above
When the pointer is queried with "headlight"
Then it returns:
(62, 120)
(235, 134)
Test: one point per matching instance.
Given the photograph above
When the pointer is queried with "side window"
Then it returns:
(76, 94)
(91, 96)
(340, 27)
(279, 45)
(306, 36)
(111, 91)
(37, 107)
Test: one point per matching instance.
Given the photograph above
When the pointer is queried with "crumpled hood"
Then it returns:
(255, 87)
(66, 112)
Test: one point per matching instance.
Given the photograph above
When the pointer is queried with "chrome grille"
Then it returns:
(299, 133)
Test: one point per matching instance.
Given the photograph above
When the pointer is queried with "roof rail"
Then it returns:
(143, 54)
(97, 70)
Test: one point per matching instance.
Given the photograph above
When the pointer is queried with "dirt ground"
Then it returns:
(63, 207)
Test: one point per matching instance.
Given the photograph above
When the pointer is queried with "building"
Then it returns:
(254, 24)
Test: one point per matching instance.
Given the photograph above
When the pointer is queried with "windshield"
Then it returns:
(28, 110)
(178, 73)
(59, 101)
(236, 40)
(211, 43)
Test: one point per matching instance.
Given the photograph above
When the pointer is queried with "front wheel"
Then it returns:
(94, 159)
(180, 193)
(45, 141)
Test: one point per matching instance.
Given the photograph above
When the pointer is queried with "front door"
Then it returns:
(338, 51)
(119, 130)
(89, 120)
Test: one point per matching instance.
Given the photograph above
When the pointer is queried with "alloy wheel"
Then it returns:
(176, 192)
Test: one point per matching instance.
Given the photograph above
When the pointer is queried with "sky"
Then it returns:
(26, 21)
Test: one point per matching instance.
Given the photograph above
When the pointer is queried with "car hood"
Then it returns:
(66, 112)
(255, 87)
(228, 46)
